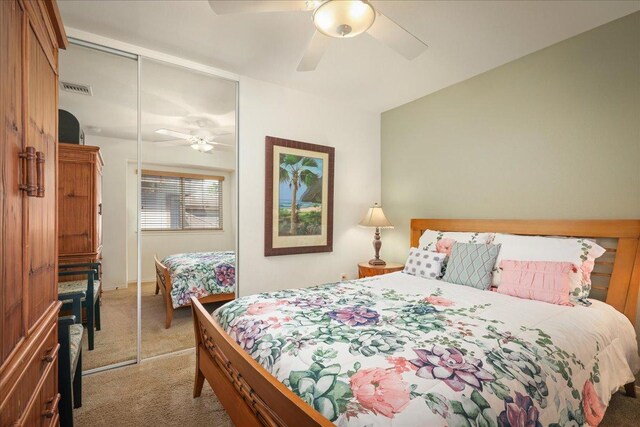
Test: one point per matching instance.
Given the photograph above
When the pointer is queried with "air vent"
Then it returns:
(78, 88)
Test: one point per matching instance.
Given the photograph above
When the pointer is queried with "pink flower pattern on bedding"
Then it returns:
(381, 391)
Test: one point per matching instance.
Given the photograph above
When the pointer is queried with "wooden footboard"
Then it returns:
(163, 283)
(250, 394)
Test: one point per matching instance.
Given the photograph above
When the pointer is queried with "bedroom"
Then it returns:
(530, 113)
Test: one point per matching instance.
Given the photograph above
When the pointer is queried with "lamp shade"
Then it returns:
(375, 218)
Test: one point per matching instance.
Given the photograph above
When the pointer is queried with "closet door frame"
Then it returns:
(139, 54)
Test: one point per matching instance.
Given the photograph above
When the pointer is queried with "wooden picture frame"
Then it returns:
(299, 199)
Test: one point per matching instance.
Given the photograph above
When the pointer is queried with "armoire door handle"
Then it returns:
(50, 355)
(40, 174)
(99, 208)
(28, 171)
(51, 406)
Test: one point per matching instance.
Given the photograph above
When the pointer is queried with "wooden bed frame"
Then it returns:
(254, 397)
(163, 283)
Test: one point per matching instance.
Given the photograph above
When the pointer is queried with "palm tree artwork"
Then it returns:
(300, 174)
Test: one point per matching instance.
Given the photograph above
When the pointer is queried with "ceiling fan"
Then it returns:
(333, 19)
(203, 144)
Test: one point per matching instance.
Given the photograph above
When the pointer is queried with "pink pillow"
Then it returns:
(547, 281)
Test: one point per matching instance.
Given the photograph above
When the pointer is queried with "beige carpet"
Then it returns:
(154, 393)
(158, 393)
(116, 342)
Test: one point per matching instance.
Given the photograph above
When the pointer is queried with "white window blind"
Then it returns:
(175, 201)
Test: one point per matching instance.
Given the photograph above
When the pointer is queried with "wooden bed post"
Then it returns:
(199, 380)
(163, 283)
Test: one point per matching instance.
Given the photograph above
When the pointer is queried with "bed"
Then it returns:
(401, 350)
(207, 276)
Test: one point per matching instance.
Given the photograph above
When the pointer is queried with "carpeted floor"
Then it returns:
(116, 341)
(155, 393)
(158, 392)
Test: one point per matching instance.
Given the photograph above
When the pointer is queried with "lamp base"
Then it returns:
(377, 261)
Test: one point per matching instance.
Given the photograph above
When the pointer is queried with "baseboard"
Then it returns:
(108, 367)
(165, 355)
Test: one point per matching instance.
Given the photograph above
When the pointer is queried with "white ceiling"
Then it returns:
(465, 38)
(172, 97)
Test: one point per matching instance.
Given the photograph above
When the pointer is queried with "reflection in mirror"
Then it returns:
(187, 217)
(97, 201)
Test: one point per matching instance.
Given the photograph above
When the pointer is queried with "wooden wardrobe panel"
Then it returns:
(41, 133)
(75, 193)
(11, 241)
(79, 201)
(30, 35)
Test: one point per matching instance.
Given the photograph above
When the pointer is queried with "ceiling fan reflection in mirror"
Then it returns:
(333, 19)
(203, 144)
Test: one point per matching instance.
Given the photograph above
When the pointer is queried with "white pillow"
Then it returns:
(580, 252)
(442, 241)
(424, 264)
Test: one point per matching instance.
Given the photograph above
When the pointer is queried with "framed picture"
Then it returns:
(299, 197)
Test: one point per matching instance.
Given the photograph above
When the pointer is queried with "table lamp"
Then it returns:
(375, 218)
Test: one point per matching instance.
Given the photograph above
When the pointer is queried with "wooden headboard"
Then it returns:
(616, 275)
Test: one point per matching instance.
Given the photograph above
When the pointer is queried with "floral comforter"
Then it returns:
(200, 274)
(397, 350)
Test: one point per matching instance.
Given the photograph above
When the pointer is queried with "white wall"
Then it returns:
(120, 207)
(116, 225)
(271, 110)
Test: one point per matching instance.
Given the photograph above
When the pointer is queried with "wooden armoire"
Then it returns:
(31, 33)
(79, 203)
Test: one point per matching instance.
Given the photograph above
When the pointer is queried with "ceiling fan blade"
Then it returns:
(315, 49)
(219, 144)
(386, 31)
(173, 143)
(222, 147)
(225, 7)
(173, 133)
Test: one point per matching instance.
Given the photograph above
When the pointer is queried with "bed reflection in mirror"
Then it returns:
(187, 215)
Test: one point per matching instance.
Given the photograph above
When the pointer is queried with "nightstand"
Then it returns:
(367, 270)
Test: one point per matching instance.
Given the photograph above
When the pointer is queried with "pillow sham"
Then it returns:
(580, 252)
(442, 241)
(545, 281)
(471, 264)
(424, 264)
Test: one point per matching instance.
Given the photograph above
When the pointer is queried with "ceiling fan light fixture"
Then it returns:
(344, 18)
(202, 146)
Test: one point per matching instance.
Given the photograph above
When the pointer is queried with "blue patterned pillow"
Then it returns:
(471, 264)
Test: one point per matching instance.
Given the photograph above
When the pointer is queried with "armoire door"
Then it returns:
(75, 189)
(41, 133)
(12, 328)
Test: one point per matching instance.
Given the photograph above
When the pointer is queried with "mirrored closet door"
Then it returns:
(98, 199)
(188, 200)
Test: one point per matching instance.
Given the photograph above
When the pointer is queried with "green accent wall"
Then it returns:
(554, 134)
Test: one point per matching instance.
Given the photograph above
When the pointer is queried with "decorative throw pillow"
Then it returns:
(442, 241)
(580, 252)
(537, 280)
(424, 264)
(471, 264)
